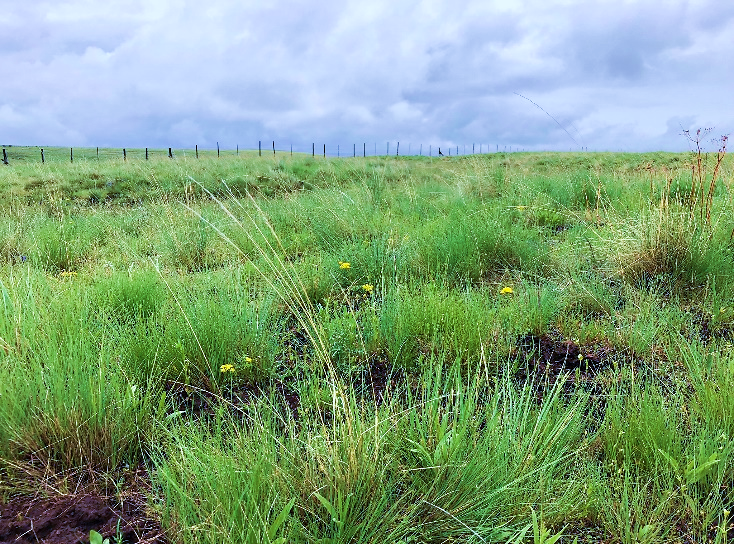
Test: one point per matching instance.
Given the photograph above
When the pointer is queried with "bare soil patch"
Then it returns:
(67, 519)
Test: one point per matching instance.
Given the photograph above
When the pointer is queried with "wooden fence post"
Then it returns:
(397, 153)
(71, 154)
(355, 150)
(196, 147)
(238, 150)
(364, 149)
(170, 153)
(124, 154)
(273, 148)
(217, 149)
(324, 150)
(43, 159)
(146, 153)
(98, 153)
(5, 156)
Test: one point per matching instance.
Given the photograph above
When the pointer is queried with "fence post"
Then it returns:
(71, 154)
(313, 150)
(98, 153)
(273, 148)
(324, 150)
(43, 159)
(397, 153)
(355, 150)
(146, 153)
(259, 148)
(217, 149)
(196, 147)
(364, 150)
(238, 150)
(5, 156)
(124, 154)
(170, 153)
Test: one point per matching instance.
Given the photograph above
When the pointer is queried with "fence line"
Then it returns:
(28, 154)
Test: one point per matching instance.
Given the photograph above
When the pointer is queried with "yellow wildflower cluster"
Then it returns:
(368, 287)
(226, 368)
(344, 266)
(507, 291)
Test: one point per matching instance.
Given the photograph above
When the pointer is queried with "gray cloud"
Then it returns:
(161, 73)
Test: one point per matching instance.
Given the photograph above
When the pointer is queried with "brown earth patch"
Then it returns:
(546, 358)
(68, 519)
(550, 355)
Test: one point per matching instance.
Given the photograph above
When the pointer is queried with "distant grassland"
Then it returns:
(484, 348)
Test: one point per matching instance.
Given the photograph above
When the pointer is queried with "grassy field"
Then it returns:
(488, 348)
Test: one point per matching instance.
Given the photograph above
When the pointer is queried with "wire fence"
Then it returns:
(38, 154)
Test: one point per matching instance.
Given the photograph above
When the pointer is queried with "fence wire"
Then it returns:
(40, 154)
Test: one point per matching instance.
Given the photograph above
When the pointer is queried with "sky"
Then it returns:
(514, 74)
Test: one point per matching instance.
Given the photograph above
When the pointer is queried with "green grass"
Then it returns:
(197, 318)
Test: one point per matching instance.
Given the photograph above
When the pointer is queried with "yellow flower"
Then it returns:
(248, 359)
(344, 266)
(367, 287)
(226, 368)
(507, 291)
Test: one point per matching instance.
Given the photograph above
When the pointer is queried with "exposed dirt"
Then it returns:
(378, 379)
(548, 355)
(705, 328)
(67, 519)
(543, 359)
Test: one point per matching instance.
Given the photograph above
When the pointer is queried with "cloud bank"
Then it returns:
(531, 74)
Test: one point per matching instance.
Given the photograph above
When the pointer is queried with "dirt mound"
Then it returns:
(549, 355)
(67, 519)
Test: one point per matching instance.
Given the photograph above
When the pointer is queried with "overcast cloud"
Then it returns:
(614, 75)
